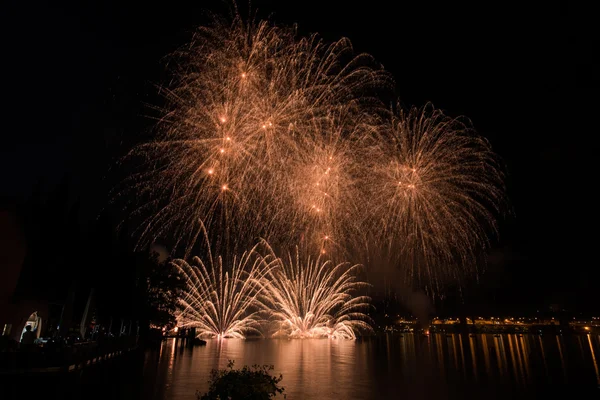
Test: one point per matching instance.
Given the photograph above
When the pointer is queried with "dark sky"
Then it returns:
(76, 78)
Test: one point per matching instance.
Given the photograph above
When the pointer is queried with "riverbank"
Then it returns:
(106, 375)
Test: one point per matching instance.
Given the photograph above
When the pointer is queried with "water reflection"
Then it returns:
(594, 361)
(436, 366)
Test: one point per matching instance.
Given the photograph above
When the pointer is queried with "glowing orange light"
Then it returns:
(243, 75)
(211, 171)
(222, 150)
(228, 138)
(176, 329)
(224, 187)
(264, 126)
(326, 237)
(323, 251)
(222, 119)
(270, 124)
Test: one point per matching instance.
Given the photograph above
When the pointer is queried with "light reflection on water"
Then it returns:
(439, 366)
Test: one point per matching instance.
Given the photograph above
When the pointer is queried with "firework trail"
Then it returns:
(315, 298)
(223, 302)
(252, 106)
(435, 195)
(324, 193)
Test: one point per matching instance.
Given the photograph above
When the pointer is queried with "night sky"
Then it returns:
(79, 78)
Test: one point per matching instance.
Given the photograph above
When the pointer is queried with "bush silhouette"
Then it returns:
(255, 383)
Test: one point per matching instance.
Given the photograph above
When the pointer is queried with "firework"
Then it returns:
(314, 298)
(223, 302)
(325, 202)
(269, 135)
(436, 194)
(252, 106)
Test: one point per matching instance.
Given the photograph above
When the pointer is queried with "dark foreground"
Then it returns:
(394, 366)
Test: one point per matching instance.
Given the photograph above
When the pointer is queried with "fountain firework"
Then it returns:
(223, 302)
(302, 299)
(315, 298)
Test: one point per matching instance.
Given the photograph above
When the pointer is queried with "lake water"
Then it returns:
(439, 366)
